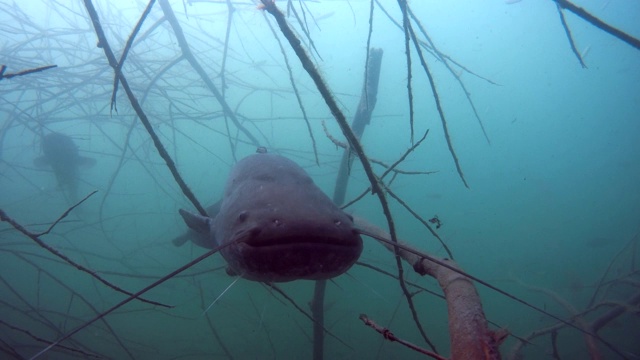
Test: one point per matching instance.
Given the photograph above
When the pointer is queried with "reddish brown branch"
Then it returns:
(388, 335)
(470, 335)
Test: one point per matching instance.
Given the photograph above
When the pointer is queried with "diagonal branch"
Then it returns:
(4, 217)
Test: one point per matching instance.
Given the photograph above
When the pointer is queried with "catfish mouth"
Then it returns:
(288, 241)
(294, 256)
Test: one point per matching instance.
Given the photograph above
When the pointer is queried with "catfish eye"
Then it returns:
(242, 217)
(277, 222)
(337, 222)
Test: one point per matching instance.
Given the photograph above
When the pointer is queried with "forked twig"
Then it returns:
(6, 218)
(569, 36)
(64, 214)
(133, 296)
(388, 335)
(136, 105)
(585, 15)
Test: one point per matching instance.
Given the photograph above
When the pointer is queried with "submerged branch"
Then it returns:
(125, 52)
(138, 109)
(470, 335)
(570, 37)
(130, 298)
(188, 55)
(565, 4)
(3, 68)
(64, 214)
(436, 97)
(296, 92)
(388, 335)
(4, 217)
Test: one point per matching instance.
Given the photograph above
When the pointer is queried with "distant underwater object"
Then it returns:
(279, 224)
(61, 154)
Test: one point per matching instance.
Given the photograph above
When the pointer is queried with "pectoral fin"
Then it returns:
(196, 222)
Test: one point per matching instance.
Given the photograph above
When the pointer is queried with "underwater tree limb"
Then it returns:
(470, 335)
(82, 298)
(296, 92)
(39, 339)
(422, 221)
(225, 50)
(407, 53)
(412, 284)
(136, 106)
(565, 4)
(580, 320)
(376, 187)
(452, 280)
(125, 52)
(569, 36)
(186, 51)
(133, 296)
(436, 98)
(3, 68)
(301, 310)
(361, 119)
(4, 217)
(590, 327)
(303, 25)
(388, 335)
(445, 60)
(308, 65)
(65, 213)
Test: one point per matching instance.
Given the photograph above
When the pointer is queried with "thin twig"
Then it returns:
(4, 217)
(569, 36)
(136, 105)
(388, 335)
(64, 214)
(39, 339)
(565, 4)
(125, 52)
(436, 98)
(296, 92)
(133, 296)
(303, 312)
(3, 68)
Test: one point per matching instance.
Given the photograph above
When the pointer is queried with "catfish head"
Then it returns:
(279, 225)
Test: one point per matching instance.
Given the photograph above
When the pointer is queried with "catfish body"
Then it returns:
(61, 154)
(281, 226)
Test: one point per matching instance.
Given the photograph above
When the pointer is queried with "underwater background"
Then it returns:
(551, 212)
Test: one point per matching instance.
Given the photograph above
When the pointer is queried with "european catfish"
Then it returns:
(61, 154)
(279, 224)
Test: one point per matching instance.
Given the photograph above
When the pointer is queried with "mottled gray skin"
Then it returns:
(61, 154)
(281, 225)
